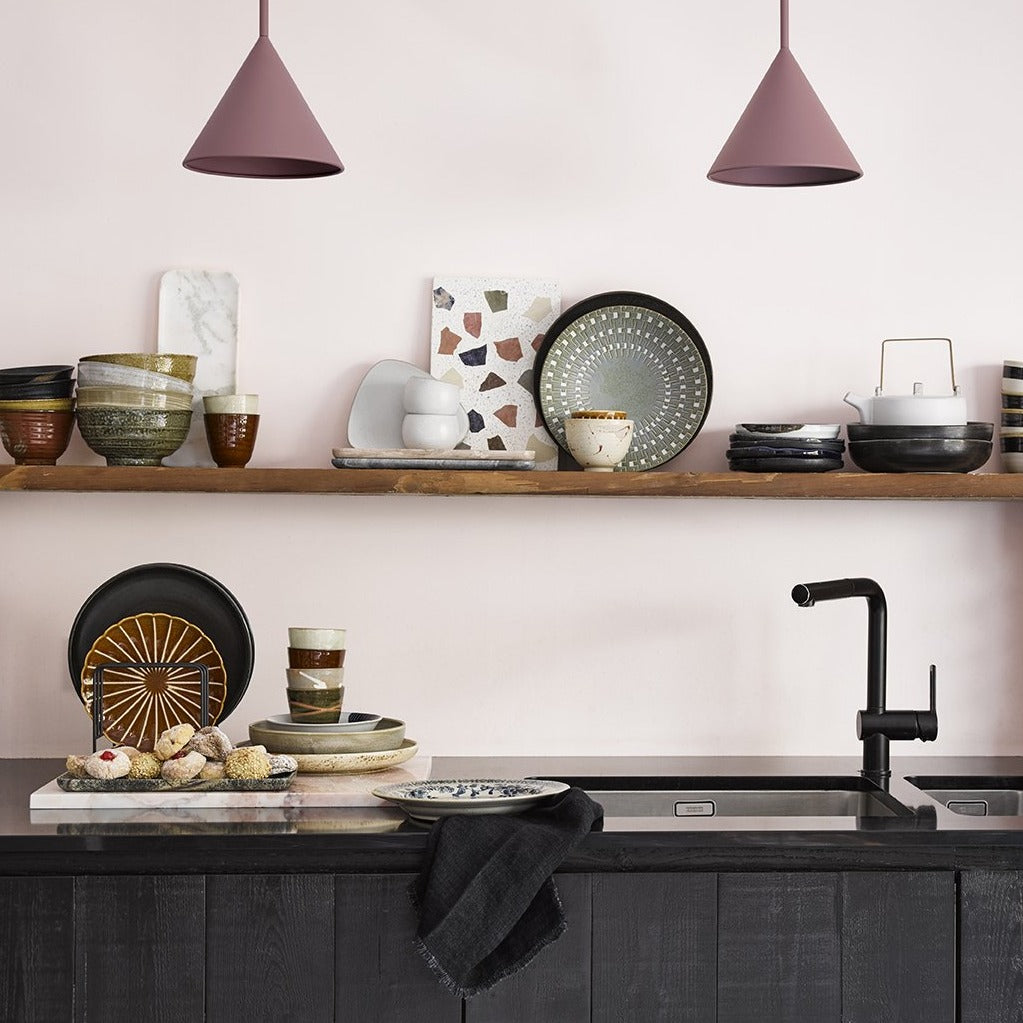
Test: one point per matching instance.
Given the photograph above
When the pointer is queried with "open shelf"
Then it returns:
(792, 486)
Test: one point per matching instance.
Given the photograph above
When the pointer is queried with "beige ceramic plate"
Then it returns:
(388, 735)
(355, 763)
(139, 703)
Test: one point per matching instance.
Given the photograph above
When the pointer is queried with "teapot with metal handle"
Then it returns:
(916, 409)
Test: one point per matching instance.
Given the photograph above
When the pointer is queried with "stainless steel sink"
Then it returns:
(982, 796)
(740, 797)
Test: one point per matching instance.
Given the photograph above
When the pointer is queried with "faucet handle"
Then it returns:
(902, 724)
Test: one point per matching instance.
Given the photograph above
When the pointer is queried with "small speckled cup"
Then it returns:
(316, 706)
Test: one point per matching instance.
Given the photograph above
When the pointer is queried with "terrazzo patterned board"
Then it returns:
(198, 315)
(484, 337)
(306, 790)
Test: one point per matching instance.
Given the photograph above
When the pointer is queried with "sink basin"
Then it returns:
(739, 797)
(981, 796)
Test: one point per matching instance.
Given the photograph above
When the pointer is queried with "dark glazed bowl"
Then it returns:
(920, 454)
(14, 391)
(971, 431)
(133, 436)
(36, 438)
(34, 374)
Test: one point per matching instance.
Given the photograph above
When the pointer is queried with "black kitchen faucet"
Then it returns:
(875, 725)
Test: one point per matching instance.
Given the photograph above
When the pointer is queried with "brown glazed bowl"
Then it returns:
(36, 438)
(315, 658)
(316, 706)
(231, 437)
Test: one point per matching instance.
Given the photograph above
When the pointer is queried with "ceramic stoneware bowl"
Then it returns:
(315, 706)
(598, 445)
(36, 438)
(180, 366)
(133, 436)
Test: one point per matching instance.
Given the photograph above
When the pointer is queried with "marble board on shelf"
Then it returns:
(484, 336)
(198, 315)
(305, 790)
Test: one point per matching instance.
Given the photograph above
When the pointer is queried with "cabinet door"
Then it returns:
(270, 948)
(379, 975)
(898, 947)
(36, 949)
(779, 952)
(991, 946)
(654, 948)
(555, 985)
(139, 949)
(872, 947)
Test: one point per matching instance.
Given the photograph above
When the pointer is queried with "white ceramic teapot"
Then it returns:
(916, 409)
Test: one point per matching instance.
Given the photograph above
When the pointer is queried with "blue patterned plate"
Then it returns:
(430, 800)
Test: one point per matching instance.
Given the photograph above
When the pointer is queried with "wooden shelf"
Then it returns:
(792, 486)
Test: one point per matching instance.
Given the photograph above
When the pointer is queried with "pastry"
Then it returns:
(173, 741)
(107, 765)
(75, 766)
(182, 766)
(247, 762)
(281, 763)
(129, 751)
(212, 770)
(145, 765)
(211, 742)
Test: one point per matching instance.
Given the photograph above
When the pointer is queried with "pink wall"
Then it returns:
(568, 140)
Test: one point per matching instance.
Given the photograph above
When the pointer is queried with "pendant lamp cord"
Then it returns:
(264, 17)
(784, 24)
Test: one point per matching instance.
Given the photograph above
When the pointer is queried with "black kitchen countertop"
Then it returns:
(359, 839)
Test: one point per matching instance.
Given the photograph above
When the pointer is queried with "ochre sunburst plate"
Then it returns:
(139, 703)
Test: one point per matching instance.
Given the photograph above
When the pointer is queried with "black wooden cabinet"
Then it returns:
(784, 947)
(991, 946)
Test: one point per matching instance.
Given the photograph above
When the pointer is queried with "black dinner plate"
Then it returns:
(174, 590)
(779, 464)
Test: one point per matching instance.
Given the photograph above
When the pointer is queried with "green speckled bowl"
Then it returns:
(133, 436)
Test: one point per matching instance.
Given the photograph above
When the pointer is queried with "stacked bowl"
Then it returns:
(785, 447)
(1011, 434)
(135, 408)
(36, 412)
(912, 448)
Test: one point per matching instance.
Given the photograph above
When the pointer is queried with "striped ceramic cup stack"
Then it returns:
(1011, 436)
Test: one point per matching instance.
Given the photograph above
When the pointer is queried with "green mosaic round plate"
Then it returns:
(633, 352)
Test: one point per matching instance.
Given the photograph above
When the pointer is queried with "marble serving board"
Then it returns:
(305, 790)
(275, 783)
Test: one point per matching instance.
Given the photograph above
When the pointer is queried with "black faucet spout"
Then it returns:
(876, 725)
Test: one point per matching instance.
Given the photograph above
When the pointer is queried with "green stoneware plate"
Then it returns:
(628, 351)
(388, 735)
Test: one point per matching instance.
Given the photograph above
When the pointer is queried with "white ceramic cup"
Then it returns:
(316, 639)
(247, 404)
(429, 396)
(598, 445)
(315, 678)
(431, 432)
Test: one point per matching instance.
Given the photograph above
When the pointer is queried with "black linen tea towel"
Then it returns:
(486, 899)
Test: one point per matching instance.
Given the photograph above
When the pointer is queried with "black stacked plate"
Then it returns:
(783, 448)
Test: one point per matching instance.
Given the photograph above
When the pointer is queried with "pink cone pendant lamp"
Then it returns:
(263, 128)
(785, 136)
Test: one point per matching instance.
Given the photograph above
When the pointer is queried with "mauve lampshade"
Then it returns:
(263, 128)
(785, 136)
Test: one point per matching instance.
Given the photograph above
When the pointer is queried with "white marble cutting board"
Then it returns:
(198, 315)
(305, 790)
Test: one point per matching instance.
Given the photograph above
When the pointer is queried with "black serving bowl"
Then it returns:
(34, 374)
(971, 431)
(920, 454)
(33, 391)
